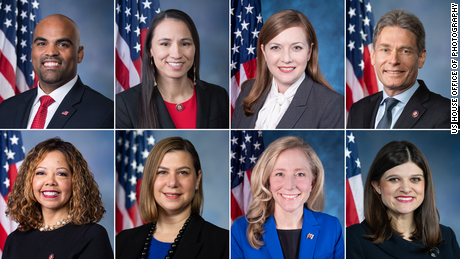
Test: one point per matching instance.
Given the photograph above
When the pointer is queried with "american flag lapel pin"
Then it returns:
(310, 236)
(65, 113)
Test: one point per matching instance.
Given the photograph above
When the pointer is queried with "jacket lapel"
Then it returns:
(298, 104)
(66, 109)
(415, 104)
(163, 114)
(271, 239)
(203, 108)
(23, 110)
(370, 114)
(309, 235)
(189, 245)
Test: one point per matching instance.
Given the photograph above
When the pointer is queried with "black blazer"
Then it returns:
(212, 110)
(396, 247)
(201, 239)
(84, 108)
(314, 106)
(433, 111)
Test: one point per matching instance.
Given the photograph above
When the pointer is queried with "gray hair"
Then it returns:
(404, 20)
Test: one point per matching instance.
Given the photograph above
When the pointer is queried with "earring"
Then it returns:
(154, 81)
(151, 61)
(194, 74)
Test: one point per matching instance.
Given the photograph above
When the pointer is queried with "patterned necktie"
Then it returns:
(40, 117)
(385, 122)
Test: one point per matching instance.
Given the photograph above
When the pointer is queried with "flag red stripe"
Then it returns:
(7, 70)
(121, 71)
(352, 214)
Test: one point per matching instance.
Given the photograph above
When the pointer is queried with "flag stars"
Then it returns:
(23, 43)
(351, 138)
(134, 148)
(247, 138)
(240, 174)
(23, 14)
(351, 45)
(243, 146)
(146, 4)
(32, 17)
(368, 7)
(251, 50)
(134, 165)
(140, 168)
(233, 65)
(363, 35)
(24, 2)
(249, 8)
(361, 64)
(242, 159)
(358, 163)
(7, 183)
(8, 23)
(158, 11)
(347, 152)
(235, 49)
(256, 145)
(23, 58)
(7, 8)
(35, 4)
(23, 29)
(352, 12)
(259, 18)
(238, 33)
(255, 33)
(234, 140)
(232, 155)
(239, 16)
(10, 154)
(128, 11)
(143, 19)
(351, 28)
(361, 48)
(151, 141)
(14, 140)
(138, 31)
(244, 26)
(253, 159)
(118, 8)
(137, 47)
(366, 21)
(133, 180)
(132, 196)
(145, 154)
(6, 166)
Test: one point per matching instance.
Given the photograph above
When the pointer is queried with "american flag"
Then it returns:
(354, 193)
(361, 78)
(246, 147)
(246, 20)
(11, 157)
(133, 148)
(132, 22)
(17, 23)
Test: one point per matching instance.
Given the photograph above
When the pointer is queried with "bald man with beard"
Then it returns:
(61, 100)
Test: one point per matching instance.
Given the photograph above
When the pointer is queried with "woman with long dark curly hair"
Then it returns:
(56, 202)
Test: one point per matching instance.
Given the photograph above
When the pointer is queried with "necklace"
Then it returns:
(172, 250)
(55, 226)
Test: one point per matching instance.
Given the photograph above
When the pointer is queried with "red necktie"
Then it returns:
(40, 117)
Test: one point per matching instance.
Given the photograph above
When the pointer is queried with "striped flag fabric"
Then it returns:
(354, 184)
(246, 21)
(132, 19)
(246, 147)
(360, 74)
(132, 149)
(17, 23)
(11, 158)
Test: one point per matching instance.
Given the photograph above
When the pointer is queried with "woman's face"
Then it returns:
(52, 183)
(402, 189)
(291, 180)
(287, 55)
(175, 182)
(173, 49)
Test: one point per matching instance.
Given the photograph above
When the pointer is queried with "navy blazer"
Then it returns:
(433, 111)
(314, 106)
(327, 241)
(212, 107)
(359, 247)
(201, 240)
(82, 107)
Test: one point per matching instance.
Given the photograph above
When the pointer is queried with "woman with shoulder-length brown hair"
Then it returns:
(289, 91)
(171, 94)
(284, 219)
(401, 219)
(56, 202)
(171, 201)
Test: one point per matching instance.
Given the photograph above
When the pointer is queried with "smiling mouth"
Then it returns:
(290, 196)
(286, 69)
(173, 64)
(50, 194)
(51, 64)
(393, 72)
(405, 199)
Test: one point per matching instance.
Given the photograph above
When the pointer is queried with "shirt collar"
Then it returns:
(404, 96)
(58, 94)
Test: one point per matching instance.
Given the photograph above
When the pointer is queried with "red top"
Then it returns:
(184, 117)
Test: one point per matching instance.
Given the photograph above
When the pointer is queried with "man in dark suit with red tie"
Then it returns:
(61, 100)
(405, 102)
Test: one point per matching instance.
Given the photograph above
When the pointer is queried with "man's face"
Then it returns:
(396, 59)
(56, 52)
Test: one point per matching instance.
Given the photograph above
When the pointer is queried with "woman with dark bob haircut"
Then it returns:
(289, 91)
(171, 200)
(171, 94)
(56, 202)
(400, 210)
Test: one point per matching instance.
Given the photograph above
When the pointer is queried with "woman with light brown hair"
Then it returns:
(56, 202)
(401, 218)
(289, 91)
(171, 201)
(284, 219)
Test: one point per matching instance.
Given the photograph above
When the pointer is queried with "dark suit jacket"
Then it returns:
(201, 239)
(212, 110)
(359, 247)
(314, 106)
(433, 111)
(327, 241)
(86, 109)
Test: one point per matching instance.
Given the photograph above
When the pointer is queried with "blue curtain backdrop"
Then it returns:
(329, 146)
(440, 148)
(95, 20)
(435, 16)
(327, 17)
(213, 149)
(97, 149)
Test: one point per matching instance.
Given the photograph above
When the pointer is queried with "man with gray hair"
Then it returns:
(405, 102)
